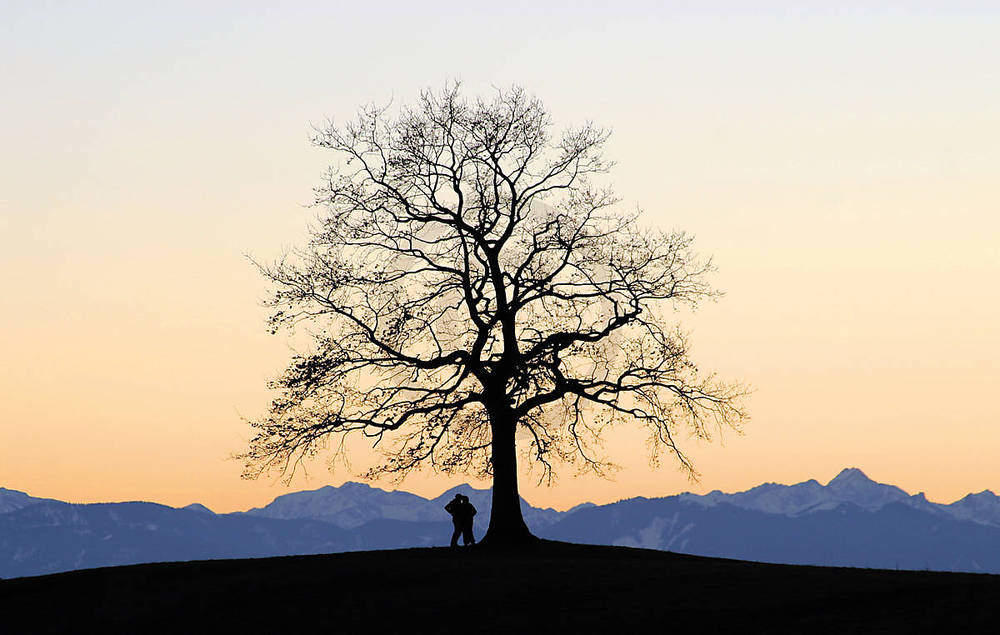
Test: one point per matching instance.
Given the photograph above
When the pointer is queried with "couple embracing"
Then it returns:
(462, 512)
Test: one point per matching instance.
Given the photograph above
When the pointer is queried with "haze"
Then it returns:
(841, 167)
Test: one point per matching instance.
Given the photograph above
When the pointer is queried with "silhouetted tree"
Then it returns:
(469, 288)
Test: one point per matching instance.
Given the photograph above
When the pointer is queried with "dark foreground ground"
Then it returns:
(554, 588)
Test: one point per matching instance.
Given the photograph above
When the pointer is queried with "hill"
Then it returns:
(555, 587)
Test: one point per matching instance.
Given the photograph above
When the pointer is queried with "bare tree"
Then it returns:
(469, 288)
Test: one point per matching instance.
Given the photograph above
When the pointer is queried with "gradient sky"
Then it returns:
(840, 165)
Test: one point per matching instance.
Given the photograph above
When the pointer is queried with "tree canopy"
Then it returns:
(470, 289)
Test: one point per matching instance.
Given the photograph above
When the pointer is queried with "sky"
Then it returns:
(838, 164)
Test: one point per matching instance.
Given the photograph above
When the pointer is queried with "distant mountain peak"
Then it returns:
(849, 476)
(464, 488)
(12, 499)
(198, 507)
(356, 485)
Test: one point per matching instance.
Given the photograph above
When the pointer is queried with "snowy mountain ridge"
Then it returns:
(850, 486)
(354, 504)
(850, 521)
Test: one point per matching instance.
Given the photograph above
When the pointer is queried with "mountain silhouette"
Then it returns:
(11, 500)
(896, 536)
(51, 536)
(354, 504)
(850, 521)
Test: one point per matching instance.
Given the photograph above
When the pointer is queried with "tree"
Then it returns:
(467, 284)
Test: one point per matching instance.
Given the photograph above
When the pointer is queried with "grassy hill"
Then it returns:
(555, 587)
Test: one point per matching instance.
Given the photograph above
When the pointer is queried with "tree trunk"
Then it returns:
(507, 526)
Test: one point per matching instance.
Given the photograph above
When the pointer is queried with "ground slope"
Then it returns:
(557, 587)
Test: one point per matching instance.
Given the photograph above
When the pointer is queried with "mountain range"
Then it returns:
(850, 521)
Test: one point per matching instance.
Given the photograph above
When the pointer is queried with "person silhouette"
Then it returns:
(462, 512)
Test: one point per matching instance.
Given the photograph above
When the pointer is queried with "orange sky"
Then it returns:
(839, 165)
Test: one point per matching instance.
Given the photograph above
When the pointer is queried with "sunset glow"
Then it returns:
(840, 167)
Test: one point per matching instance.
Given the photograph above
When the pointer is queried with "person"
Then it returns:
(462, 512)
